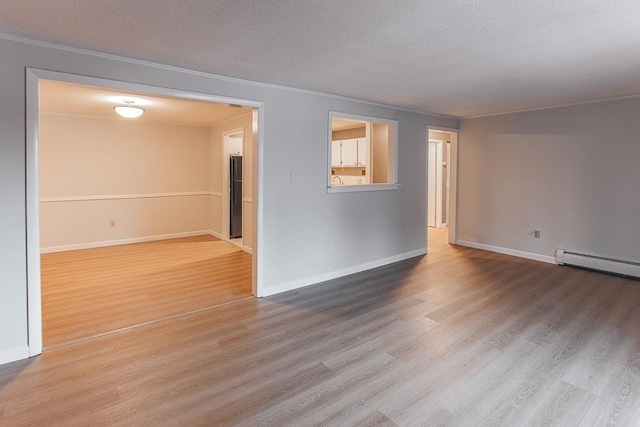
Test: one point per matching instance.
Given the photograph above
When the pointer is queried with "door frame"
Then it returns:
(34, 278)
(453, 184)
(226, 184)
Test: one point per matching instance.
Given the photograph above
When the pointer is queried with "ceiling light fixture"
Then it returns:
(128, 111)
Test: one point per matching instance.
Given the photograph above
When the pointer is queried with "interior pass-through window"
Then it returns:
(362, 153)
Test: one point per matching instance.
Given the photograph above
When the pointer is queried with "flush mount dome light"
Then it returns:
(129, 111)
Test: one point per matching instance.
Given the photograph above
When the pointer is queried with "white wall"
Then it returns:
(215, 183)
(132, 166)
(300, 219)
(570, 172)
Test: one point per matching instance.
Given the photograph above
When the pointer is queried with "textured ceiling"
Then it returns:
(454, 57)
(91, 101)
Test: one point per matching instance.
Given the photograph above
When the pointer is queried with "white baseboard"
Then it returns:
(14, 354)
(507, 251)
(105, 243)
(297, 284)
(216, 234)
(247, 249)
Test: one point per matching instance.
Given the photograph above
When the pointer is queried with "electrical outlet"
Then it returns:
(332, 247)
(112, 224)
(536, 234)
(529, 232)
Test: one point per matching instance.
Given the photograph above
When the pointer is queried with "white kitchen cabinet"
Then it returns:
(363, 152)
(335, 153)
(349, 152)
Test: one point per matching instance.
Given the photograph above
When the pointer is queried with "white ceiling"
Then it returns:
(343, 124)
(453, 57)
(91, 101)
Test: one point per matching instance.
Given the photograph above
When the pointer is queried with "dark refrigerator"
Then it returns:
(235, 209)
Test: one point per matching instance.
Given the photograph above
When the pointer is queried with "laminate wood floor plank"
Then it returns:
(95, 291)
(459, 337)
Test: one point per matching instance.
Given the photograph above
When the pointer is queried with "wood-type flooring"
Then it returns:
(459, 337)
(95, 291)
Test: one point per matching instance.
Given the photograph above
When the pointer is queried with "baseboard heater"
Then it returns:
(619, 267)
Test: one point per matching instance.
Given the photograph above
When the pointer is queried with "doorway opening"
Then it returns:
(127, 212)
(442, 150)
(235, 202)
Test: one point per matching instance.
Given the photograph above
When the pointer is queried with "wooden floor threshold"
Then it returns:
(150, 322)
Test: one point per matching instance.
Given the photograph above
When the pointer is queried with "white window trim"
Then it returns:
(362, 187)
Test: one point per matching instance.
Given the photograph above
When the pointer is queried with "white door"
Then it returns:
(447, 187)
(432, 185)
(434, 196)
